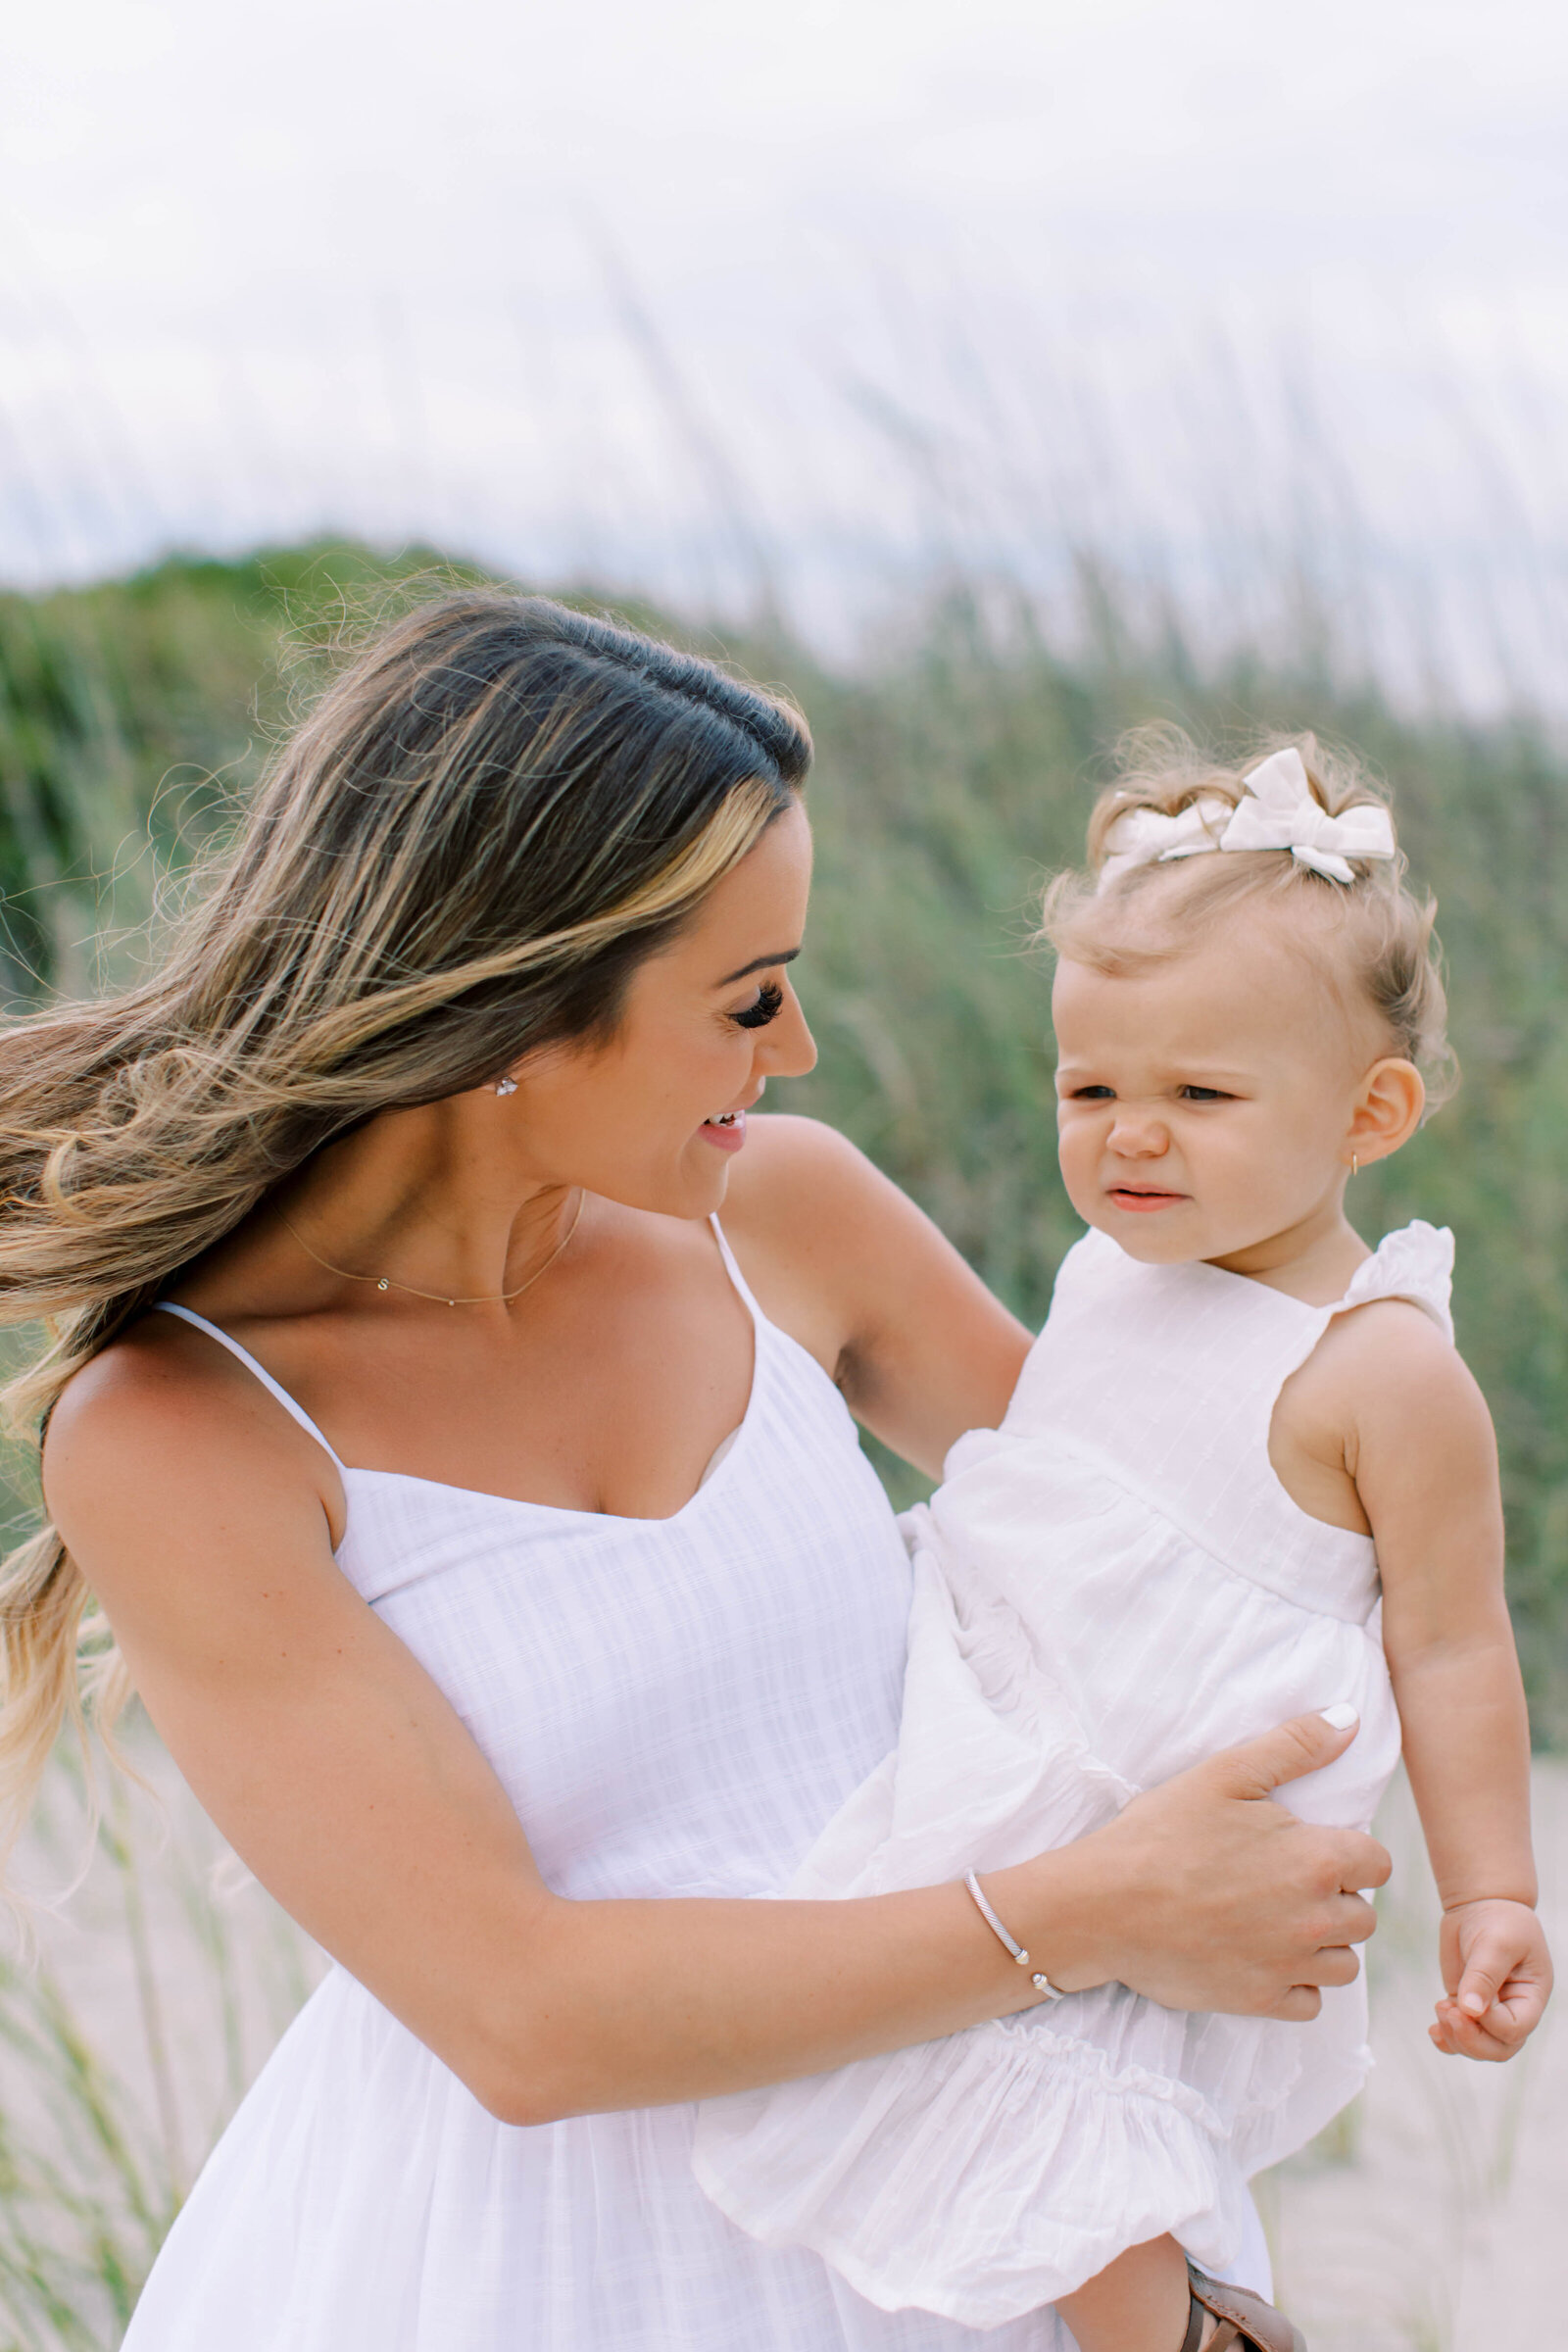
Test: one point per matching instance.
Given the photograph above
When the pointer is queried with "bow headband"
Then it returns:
(1276, 811)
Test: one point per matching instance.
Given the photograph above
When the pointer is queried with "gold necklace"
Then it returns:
(384, 1282)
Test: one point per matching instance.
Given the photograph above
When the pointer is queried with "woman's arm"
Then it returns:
(338, 1771)
(846, 1263)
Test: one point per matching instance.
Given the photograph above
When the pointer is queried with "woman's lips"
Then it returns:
(1142, 1203)
(727, 1131)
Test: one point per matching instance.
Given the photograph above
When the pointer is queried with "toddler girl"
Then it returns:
(1244, 1475)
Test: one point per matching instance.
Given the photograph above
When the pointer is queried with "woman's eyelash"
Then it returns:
(769, 1004)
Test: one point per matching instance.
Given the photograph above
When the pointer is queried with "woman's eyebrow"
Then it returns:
(758, 963)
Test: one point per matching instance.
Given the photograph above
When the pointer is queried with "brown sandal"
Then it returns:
(1246, 2323)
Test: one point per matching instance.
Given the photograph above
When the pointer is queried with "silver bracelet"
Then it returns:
(1041, 1983)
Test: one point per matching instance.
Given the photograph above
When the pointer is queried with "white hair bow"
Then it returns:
(1143, 836)
(1277, 811)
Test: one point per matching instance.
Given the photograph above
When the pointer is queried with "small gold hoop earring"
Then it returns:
(1355, 1166)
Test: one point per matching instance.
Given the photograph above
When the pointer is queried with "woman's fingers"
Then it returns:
(1242, 1906)
(1332, 1964)
(1363, 1862)
(1258, 1767)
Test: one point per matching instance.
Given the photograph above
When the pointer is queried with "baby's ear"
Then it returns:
(1387, 1111)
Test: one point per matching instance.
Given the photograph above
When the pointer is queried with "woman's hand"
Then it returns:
(1206, 1894)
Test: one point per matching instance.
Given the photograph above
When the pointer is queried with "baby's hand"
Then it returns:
(1498, 1971)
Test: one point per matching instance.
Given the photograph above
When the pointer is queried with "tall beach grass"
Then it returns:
(957, 760)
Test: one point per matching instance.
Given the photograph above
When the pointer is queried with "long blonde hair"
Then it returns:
(494, 814)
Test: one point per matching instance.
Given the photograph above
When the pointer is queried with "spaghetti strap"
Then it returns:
(188, 1314)
(735, 1274)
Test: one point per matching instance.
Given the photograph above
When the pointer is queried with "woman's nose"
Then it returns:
(786, 1048)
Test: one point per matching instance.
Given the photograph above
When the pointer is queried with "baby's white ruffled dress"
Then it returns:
(1108, 1587)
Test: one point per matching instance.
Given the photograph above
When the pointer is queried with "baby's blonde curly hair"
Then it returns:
(1380, 931)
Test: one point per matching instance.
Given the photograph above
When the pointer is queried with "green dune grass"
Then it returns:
(956, 765)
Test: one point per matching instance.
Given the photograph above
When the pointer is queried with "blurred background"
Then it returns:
(992, 379)
(791, 309)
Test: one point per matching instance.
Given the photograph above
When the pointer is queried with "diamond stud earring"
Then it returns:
(506, 1085)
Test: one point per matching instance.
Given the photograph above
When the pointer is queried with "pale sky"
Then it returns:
(684, 296)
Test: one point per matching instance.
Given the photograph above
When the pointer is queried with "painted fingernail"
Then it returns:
(1340, 1718)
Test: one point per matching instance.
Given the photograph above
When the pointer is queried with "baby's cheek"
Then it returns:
(1076, 1155)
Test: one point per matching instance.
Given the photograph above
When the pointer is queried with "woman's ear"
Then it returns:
(1387, 1111)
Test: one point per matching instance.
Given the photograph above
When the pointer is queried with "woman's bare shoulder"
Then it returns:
(163, 1413)
(790, 1161)
(848, 1264)
(809, 1198)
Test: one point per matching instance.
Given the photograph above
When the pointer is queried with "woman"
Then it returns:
(484, 1529)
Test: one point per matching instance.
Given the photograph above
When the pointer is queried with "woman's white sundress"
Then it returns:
(675, 1707)
(1109, 1588)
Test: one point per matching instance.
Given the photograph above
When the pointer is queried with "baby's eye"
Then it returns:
(1204, 1094)
(1093, 1093)
(767, 1007)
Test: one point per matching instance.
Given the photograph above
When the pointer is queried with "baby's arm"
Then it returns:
(1387, 1393)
